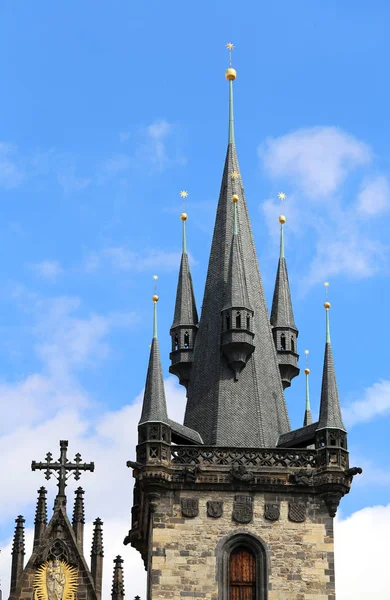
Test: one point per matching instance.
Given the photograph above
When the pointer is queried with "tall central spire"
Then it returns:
(249, 411)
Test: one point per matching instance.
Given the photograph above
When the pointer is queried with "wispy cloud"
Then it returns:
(11, 174)
(374, 403)
(374, 196)
(70, 182)
(317, 160)
(48, 269)
(122, 258)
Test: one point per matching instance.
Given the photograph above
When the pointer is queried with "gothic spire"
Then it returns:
(213, 393)
(40, 521)
(308, 419)
(79, 516)
(97, 556)
(330, 411)
(284, 330)
(185, 319)
(154, 407)
(18, 552)
(118, 588)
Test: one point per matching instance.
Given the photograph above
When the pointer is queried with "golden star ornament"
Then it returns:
(282, 196)
(235, 175)
(184, 194)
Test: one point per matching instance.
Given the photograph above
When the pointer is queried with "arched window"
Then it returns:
(186, 340)
(238, 320)
(292, 344)
(242, 574)
(242, 571)
(176, 342)
(248, 322)
(282, 342)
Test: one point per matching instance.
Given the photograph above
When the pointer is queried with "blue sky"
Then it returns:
(107, 112)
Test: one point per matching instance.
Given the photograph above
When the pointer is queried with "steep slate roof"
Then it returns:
(282, 313)
(330, 411)
(249, 412)
(154, 407)
(185, 306)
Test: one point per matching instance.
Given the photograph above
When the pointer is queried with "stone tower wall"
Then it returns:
(184, 561)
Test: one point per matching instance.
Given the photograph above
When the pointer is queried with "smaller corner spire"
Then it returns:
(154, 406)
(330, 411)
(118, 588)
(308, 419)
(230, 75)
(185, 319)
(97, 540)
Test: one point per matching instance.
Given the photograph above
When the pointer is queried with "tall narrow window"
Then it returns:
(292, 344)
(248, 322)
(282, 342)
(242, 575)
(186, 340)
(238, 320)
(227, 322)
(176, 342)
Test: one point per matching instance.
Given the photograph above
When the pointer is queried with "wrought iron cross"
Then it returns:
(64, 467)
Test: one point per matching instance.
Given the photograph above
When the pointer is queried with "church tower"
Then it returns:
(234, 505)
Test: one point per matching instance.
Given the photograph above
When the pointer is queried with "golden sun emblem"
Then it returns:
(282, 196)
(230, 46)
(55, 580)
(235, 175)
(184, 194)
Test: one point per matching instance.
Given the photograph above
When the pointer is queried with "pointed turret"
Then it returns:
(118, 588)
(97, 556)
(237, 315)
(284, 329)
(219, 407)
(185, 319)
(40, 521)
(331, 435)
(78, 520)
(308, 419)
(154, 434)
(18, 552)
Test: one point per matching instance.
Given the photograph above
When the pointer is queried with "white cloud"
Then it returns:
(48, 269)
(10, 173)
(317, 162)
(374, 196)
(317, 159)
(122, 258)
(362, 549)
(70, 182)
(375, 402)
(155, 146)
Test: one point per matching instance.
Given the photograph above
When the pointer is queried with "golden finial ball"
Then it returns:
(234, 198)
(307, 371)
(282, 219)
(184, 216)
(230, 74)
(155, 298)
(327, 305)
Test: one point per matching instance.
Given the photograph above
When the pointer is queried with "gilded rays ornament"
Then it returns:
(55, 580)
(184, 194)
(235, 175)
(282, 196)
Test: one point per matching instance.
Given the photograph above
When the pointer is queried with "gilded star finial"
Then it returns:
(327, 303)
(235, 175)
(184, 194)
(155, 297)
(282, 196)
(307, 370)
(230, 72)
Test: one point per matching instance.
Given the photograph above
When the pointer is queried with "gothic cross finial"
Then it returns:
(63, 467)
